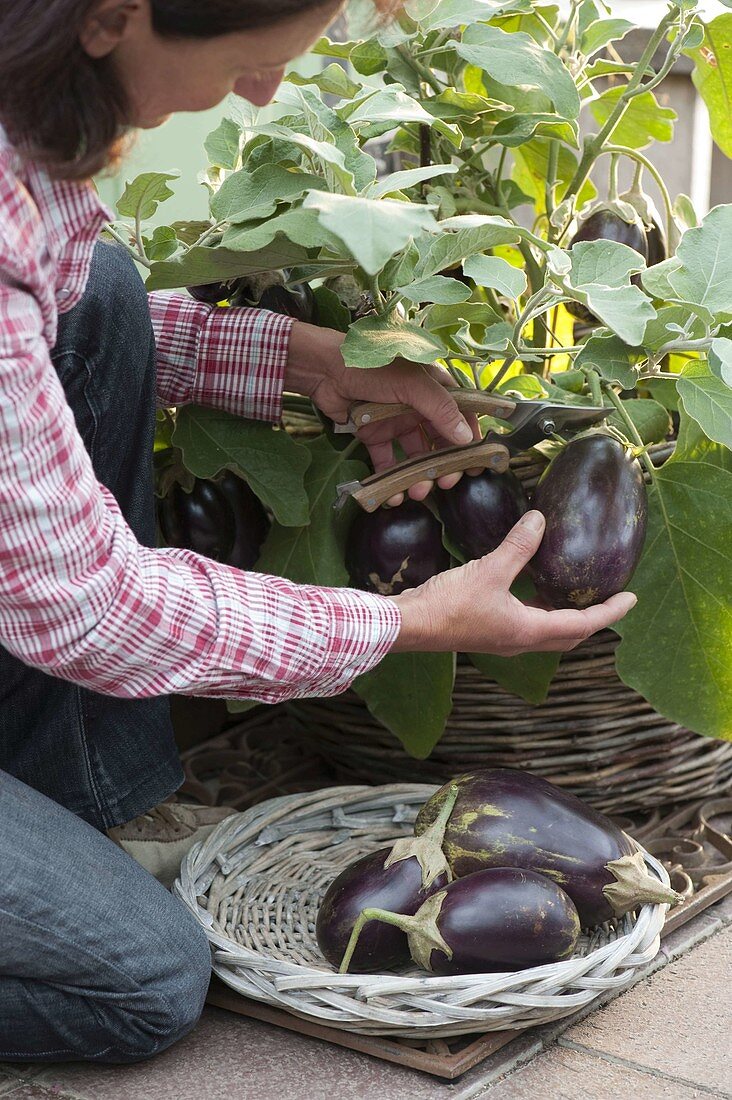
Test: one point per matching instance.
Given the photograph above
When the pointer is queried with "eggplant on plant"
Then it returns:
(508, 818)
(480, 510)
(395, 548)
(596, 506)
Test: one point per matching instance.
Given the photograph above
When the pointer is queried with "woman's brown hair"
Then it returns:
(69, 112)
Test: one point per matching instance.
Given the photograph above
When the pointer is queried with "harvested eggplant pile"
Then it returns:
(502, 873)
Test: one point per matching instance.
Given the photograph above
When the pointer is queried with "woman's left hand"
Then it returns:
(316, 368)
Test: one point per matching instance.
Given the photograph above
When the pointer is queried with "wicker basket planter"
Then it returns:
(593, 735)
(255, 886)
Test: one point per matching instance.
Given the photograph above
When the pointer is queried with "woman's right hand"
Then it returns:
(471, 609)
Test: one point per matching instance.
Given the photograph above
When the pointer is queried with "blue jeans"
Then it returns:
(97, 960)
(105, 759)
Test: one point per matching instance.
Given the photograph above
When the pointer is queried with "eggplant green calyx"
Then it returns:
(421, 929)
(427, 848)
(635, 886)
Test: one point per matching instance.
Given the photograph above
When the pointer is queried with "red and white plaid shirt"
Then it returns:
(80, 598)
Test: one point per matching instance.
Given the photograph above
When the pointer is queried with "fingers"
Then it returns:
(562, 630)
(518, 548)
(436, 404)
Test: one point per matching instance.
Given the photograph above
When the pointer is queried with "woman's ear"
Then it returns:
(107, 24)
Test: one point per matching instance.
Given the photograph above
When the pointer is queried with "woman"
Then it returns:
(98, 961)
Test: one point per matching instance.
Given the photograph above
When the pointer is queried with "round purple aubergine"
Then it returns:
(501, 919)
(251, 524)
(395, 548)
(479, 511)
(365, 884)
(504, 817)
(594, 499)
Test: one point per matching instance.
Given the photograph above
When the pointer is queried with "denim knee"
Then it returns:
(173, 1000)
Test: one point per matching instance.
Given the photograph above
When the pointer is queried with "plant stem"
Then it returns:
(141, 259)
(631, 428)
(644, 162)
(594, 146)
(419, 69)
(568, 27)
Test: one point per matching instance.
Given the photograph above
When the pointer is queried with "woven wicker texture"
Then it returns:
(593, 735)
(255, 886)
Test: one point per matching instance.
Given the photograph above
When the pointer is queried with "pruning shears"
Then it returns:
(527, 423)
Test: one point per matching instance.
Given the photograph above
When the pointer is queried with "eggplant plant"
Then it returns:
(474, 252)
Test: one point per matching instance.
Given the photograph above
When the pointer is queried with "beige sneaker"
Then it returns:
(160, 839)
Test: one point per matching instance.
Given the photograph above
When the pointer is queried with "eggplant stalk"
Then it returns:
(427, 848)
(421, 929)
(636, 886)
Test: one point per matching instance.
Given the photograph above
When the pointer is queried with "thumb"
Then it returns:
(519, 546)
(437, 405)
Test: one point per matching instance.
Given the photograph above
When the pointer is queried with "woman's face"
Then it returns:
(165, 75)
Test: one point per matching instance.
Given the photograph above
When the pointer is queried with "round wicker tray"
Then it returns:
(255, 885)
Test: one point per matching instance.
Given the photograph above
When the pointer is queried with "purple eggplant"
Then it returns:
(480, 511)
(596, 507)
(395, 548)
(509, 818)
(251, 524)
(605, 224)
(502, 918)
(200, 520)
(399, 879)
(655, 243)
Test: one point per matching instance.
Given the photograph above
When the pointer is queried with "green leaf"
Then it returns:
(650, 418)
(269, 459)
(611, 357)
(624, 309)
(520, 128)
(162, 245)
(210, 265)
(455, 13)
(399, 181)
(676, 642)
(708, 399)
(411, 694)
(313, 553)
(496, 273)
(472, 234)
(527, 675)
(600, 33)
(392, 107)
(333, 80)
(666, 326)
(368, 57)
(372, 231)
(331, 312)
(323, 151)
(141, 198)
(712, 76)
(437, 288)
(643, 122)
(374, 342)
(301, 227)
(516, 59)
(325, 124)
(603, 262)
(701, 271)
(248, 196)
(692, 445)
(223, 145)
(720, 358)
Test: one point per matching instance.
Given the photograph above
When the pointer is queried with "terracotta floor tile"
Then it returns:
(563, 1074)
(678, 1021)
(231, 1057)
